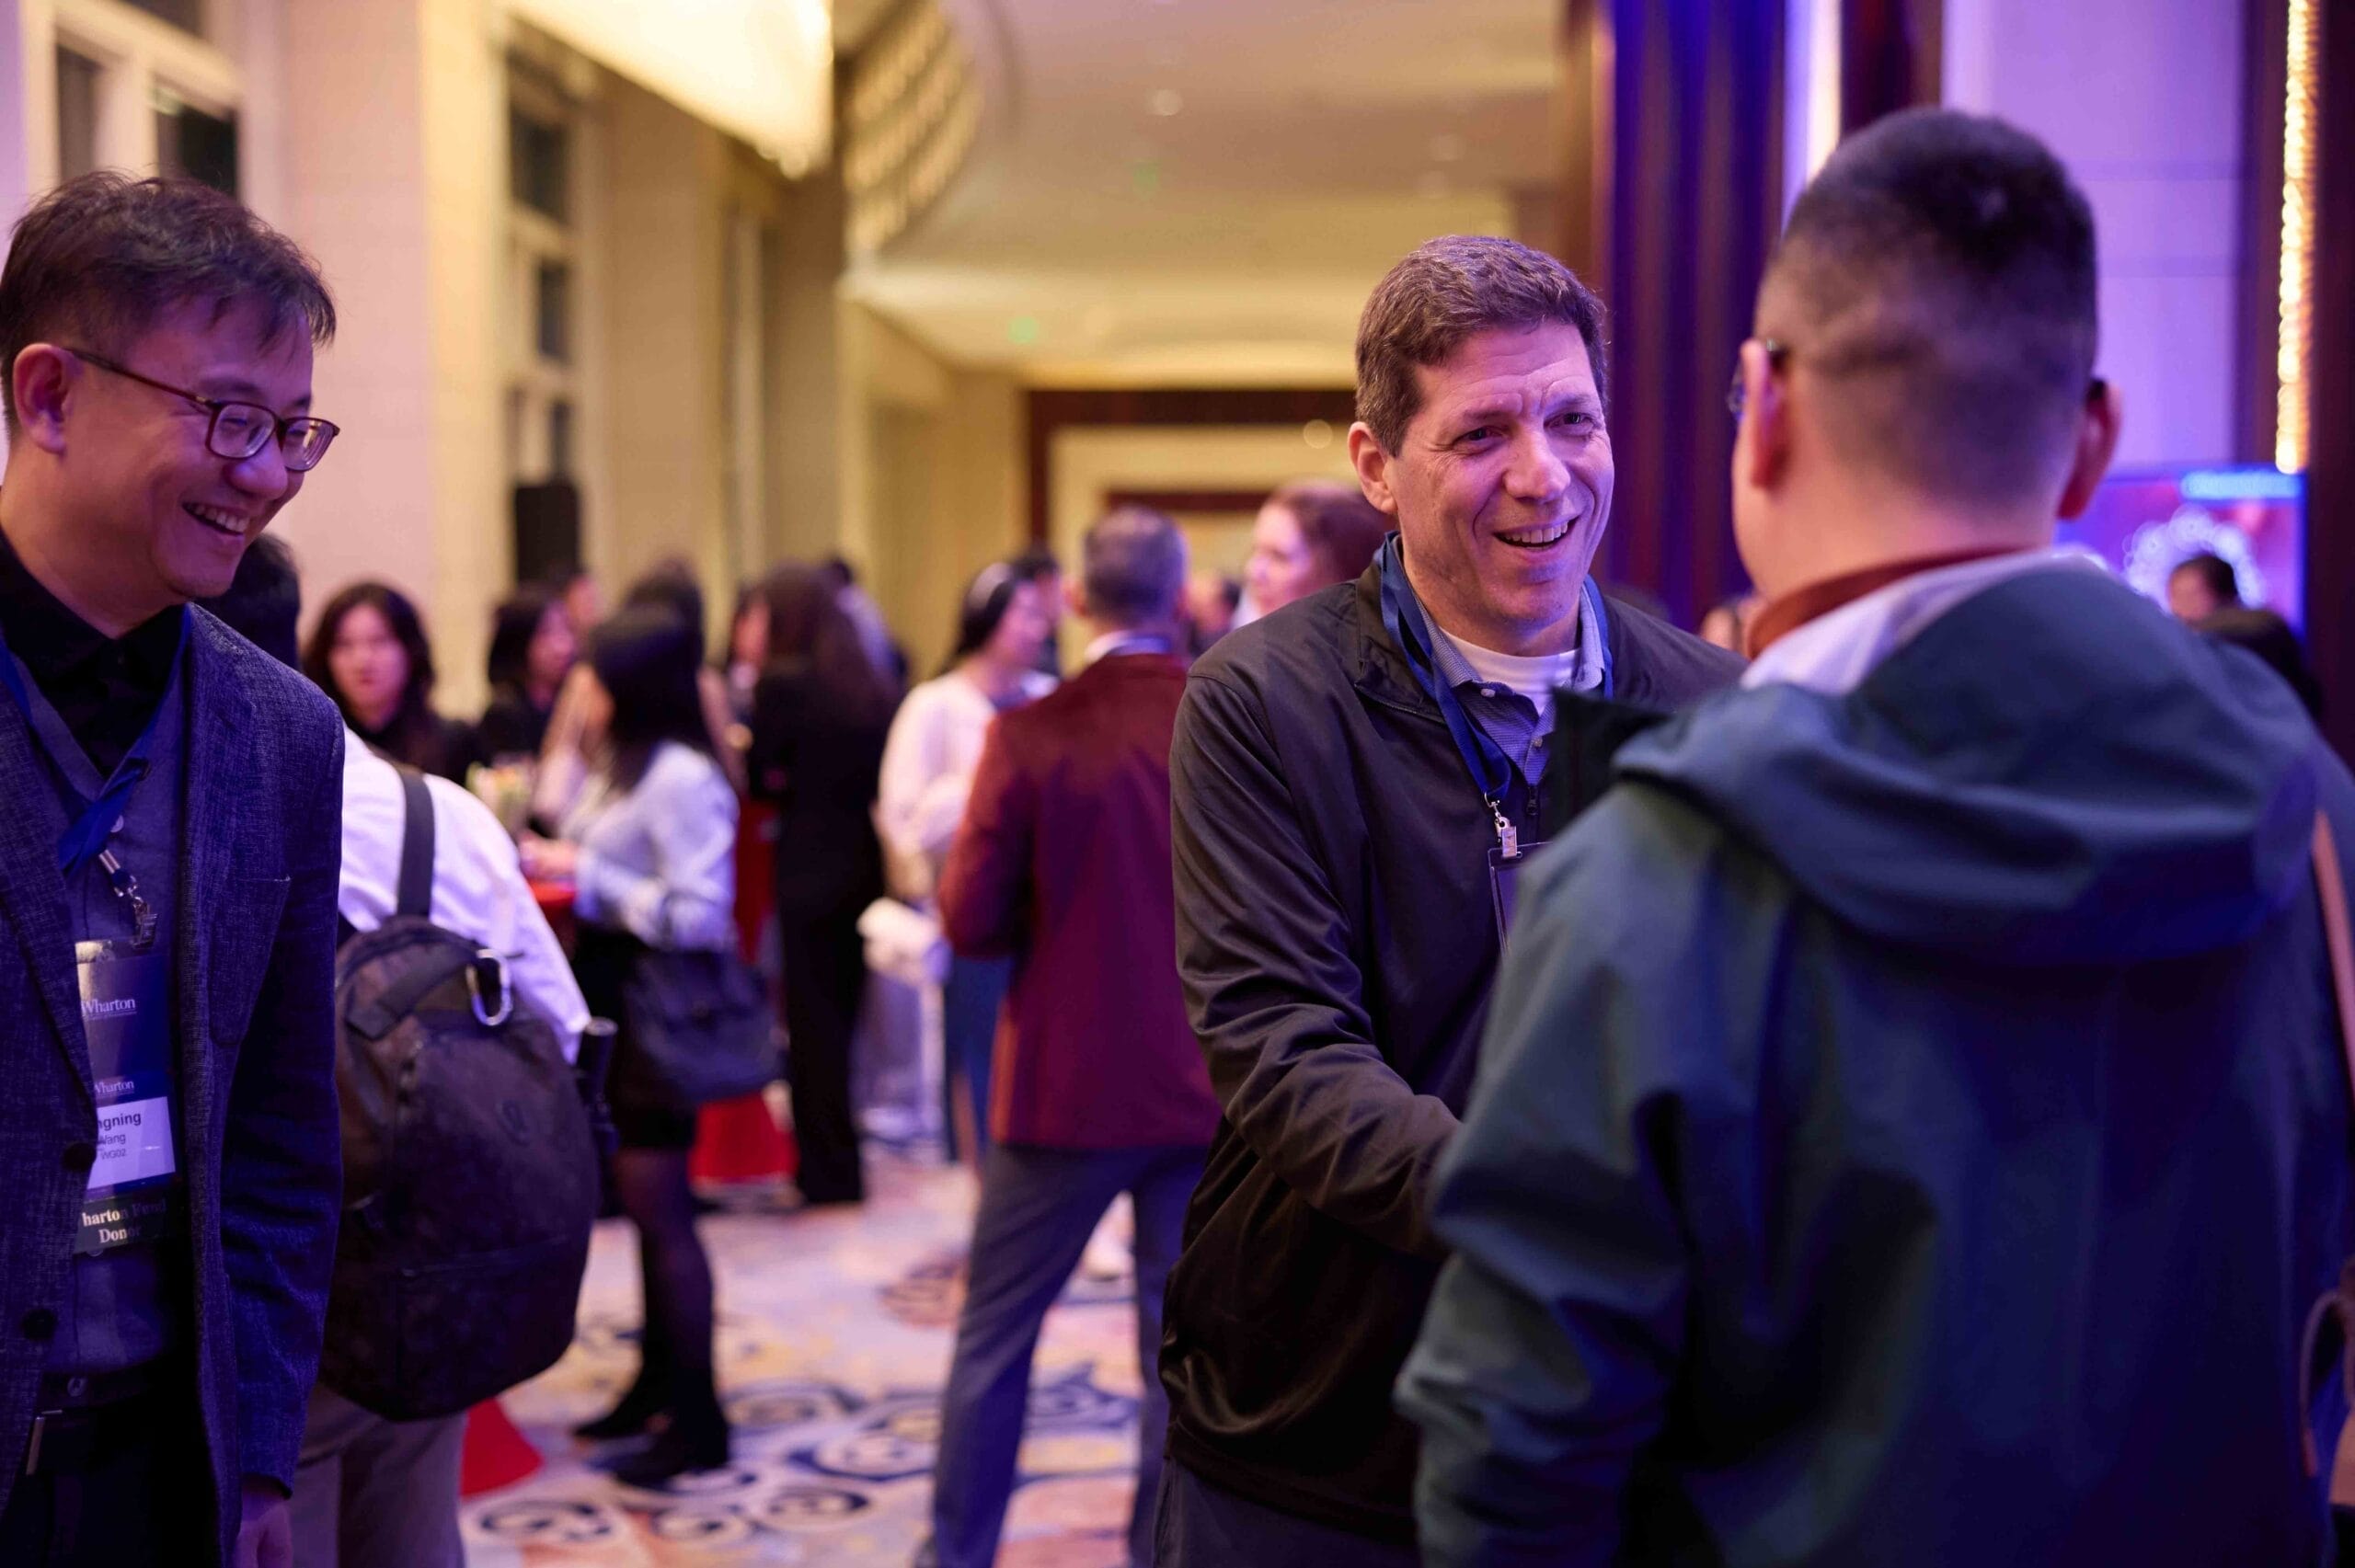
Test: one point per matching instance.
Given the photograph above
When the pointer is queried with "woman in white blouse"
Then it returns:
(650, 846)
(929, 763)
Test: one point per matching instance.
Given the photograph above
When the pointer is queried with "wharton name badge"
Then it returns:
(1504, 884)
(134, 1194)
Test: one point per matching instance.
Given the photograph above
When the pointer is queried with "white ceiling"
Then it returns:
(1096, 238)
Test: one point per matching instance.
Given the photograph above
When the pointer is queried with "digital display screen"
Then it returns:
(2145, 523)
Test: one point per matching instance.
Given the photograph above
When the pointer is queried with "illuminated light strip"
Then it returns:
(2242, 485)
(914, 115)
(2294, 349)
(1823, 83)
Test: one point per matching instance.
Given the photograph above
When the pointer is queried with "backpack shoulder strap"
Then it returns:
(2339, 943)
(2335, 935)
(415, 893)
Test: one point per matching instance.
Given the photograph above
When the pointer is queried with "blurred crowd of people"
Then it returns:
(1783, 1164)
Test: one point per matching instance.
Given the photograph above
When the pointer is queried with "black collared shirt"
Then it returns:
(105, 688)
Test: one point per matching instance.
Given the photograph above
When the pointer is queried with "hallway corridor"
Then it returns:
(834, 1336)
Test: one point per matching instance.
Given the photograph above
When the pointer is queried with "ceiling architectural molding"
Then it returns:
(1051, 412)
(1222, 183)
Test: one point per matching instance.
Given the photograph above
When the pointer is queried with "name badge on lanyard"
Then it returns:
(133, 1191)
(1504, 886)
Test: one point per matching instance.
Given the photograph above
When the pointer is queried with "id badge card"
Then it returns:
(1504, 884)
(134, 1194)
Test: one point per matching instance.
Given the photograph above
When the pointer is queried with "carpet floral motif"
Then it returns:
(834, 1336)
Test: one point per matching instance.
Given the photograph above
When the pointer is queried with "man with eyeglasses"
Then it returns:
(1911, 1126)
(168, 852)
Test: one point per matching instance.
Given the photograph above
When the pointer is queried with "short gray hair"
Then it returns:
(1132, 566)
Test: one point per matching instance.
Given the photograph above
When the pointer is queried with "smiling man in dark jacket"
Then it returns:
(1355, 782)
(1912, 1127)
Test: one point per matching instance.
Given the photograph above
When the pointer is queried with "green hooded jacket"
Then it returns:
(1910, 1125)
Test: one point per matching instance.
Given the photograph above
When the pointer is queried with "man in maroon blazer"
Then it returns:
(1097, 1087)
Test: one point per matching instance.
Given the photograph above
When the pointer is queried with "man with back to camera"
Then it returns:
(369, 1491)
(1913, 1124)
(168, 867)
(1354, 786)
(1063, 860)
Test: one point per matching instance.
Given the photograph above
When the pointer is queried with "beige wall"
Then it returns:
(359, 204)
(376, 135)
(933, 480)
(2142, 99)
(809, 412)
(666, 438)
(465, 113)
(407, 218)
(1090, 464)
(395, 176)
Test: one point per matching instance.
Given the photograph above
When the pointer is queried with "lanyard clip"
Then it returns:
(126, 887)
(1507, 836)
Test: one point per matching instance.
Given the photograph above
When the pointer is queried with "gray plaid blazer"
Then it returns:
(255, 952)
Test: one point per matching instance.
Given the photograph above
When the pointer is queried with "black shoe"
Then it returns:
(646, 1399)
(689, 1443)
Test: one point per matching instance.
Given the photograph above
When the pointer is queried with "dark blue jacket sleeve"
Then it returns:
(280, 1164)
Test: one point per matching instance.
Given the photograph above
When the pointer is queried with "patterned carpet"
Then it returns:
(835, 1337)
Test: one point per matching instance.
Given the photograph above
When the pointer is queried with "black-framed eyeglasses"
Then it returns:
(1737, 396)
(1778, 354)
(238, 430)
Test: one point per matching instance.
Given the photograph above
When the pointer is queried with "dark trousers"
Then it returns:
(1202, 1525)
(825, 976)
(969, 1009)
(133, 1492)
(1039, 1208)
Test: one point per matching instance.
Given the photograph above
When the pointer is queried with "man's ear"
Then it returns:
(1763, 441)
(1075, 596)
(1373, 464)
(2097, 432)
(42, 384)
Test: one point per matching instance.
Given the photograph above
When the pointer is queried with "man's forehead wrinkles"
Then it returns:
(1553, 384)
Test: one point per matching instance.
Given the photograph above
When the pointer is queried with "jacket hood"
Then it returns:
(2054, 772)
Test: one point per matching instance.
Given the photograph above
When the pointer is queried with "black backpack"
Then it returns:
(470, 1176)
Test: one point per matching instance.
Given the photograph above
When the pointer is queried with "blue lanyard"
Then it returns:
(1402, 617)
(86, 839)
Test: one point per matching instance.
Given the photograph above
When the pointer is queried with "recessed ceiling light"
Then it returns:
(1317, 434)
(1166, 102)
